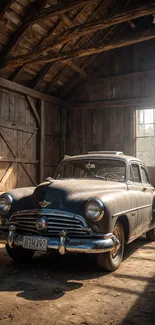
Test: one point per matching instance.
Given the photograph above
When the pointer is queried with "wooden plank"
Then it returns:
(75, 67)
(95, 105)
(19, 127)
(7, 142)
(19, 160)
(13, 86)
(84, 29)
(34, 110)
(7, 175)
(63, 132)
(42, 140)
(59, 10)
(107, 46)
(122, 75)
(28, 174)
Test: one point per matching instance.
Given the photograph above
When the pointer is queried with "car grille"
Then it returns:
(25, 222)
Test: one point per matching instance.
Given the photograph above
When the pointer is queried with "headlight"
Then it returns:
(5, 203)
(94, 210)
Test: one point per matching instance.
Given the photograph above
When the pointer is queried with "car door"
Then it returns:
(145, 218)
(142, 193)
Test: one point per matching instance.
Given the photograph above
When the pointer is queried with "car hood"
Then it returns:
(68, 195)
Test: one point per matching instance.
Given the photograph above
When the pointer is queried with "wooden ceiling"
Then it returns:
(53, 46)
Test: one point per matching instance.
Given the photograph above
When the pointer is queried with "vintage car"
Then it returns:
(95, 203)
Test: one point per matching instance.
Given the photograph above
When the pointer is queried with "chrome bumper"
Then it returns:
(66, 244)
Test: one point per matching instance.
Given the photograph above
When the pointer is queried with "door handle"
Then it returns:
(144, 189)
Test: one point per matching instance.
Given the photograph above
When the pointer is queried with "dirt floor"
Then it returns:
(72, 290)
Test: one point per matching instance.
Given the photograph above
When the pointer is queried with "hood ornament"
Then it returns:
(44, 203)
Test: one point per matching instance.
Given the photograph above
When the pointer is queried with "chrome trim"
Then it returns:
(65, 244)
(12, 235)
(131, 210)
(10, 199)
(57, 220)
(101, 209)
(49, 212)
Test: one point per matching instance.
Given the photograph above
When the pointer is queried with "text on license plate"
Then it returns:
(35, 243)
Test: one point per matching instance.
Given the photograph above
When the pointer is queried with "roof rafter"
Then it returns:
(107, 46)
(13, 42)
(38, 14)
(82, 30)
(67, 21)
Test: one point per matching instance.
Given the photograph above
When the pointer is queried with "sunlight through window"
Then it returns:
(145, 136)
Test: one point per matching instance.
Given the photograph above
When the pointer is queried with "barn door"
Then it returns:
(19, 132)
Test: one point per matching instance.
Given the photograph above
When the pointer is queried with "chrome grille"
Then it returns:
(25, 222)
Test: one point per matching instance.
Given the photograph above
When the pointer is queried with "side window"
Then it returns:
(145, 178)
(130, 174)
(136, 173)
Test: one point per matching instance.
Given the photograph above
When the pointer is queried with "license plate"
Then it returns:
(36, 243)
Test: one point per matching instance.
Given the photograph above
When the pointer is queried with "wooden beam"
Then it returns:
(34, 110)
(19, 160)
(126, 74)
(78, 69)
(70, 24)
(7, 143)
(140, 102)
(58, 10)
(14, 40)
(107, 46)
(38, 14)
(16, 126)
(81, 30)
(28, 174)
(42, 140)
(7, 175)
(4, 5)
(13, 86)
(40, 76)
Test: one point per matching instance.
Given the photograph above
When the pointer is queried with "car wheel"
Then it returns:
(150, 235)
(110, 261)
(20, 254)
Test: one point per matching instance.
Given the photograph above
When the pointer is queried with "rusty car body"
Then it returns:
(94, 204)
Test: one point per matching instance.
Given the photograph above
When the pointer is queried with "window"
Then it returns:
(145, 178)
(136, 173)
(145, 136)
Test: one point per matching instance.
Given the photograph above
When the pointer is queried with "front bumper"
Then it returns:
(66, 244)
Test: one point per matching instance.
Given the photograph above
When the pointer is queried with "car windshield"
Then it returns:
(106, 169)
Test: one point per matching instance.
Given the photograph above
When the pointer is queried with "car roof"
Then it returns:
(121, 157)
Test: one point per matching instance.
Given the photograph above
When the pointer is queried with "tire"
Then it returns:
(111, 261)
(150, 235)
(20, 254)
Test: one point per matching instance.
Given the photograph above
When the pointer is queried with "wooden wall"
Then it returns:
(101, 112)
(29, 136)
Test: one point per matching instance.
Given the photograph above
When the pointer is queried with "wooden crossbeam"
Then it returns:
(14, 40)
(7, 175)
(7, 143)
(78, 69)
(34, 110)
(40, 76)
(29, 176)
(107, 46)
(13, 86)
(81, 30)
(58, 10)
(38, 14)
(138, 102)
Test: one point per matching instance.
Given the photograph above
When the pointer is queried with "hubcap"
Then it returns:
(115, 252)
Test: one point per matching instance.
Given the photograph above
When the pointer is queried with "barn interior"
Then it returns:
(75, 76)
